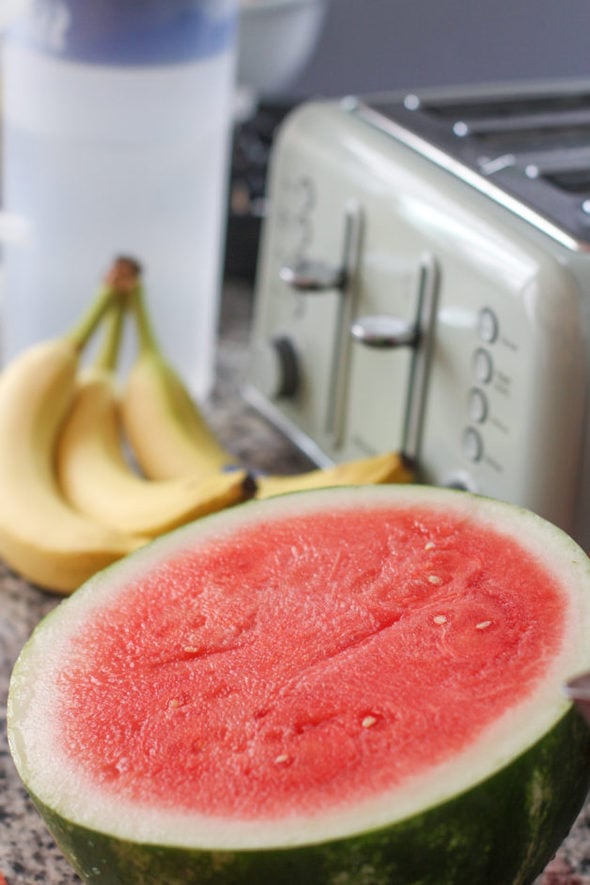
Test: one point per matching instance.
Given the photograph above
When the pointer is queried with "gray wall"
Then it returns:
(371, 45)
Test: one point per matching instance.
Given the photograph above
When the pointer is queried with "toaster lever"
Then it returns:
(387, 331)
(309, 275)
(426, 310)
(384, 331)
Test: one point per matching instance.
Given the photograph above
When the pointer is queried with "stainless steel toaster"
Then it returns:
(423, 285)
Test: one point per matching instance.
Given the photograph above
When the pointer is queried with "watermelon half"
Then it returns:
(354, 685)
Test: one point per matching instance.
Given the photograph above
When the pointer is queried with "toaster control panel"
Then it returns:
(398, 309)
(477, 399)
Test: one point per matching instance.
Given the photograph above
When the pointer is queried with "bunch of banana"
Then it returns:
(70, 501)
(41, 535)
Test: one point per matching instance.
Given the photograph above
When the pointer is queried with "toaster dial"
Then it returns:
(278, 374)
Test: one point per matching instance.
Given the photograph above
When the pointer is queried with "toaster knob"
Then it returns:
(384, 331)
(278, 368)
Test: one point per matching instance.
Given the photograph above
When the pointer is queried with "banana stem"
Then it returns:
(148, 342)
(80, 334)
(107, 356)
(119, 282)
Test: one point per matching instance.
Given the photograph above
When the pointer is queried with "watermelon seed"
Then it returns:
(175, 703)
(281, 759)
(429, 545)
(439, 619)
(434, 579)
(368, 721)
(482, 625)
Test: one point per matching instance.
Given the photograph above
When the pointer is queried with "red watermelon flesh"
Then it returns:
(318, 656)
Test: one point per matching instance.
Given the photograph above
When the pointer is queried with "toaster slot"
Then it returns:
(508, 106)
(568, 169)
(519, 127)
(534, 123)
(574, 182)
(498, 143)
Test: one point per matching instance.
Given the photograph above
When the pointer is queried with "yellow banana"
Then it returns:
(167, 433)
(41, 536)
(385, 468)
(97, 478)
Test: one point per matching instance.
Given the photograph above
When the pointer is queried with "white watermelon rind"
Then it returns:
(502, 830)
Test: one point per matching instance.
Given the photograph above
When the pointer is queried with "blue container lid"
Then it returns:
(128, 32)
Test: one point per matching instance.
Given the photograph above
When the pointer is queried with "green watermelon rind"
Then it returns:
(503, 831)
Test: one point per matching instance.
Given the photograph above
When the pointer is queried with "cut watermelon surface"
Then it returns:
(319, 685)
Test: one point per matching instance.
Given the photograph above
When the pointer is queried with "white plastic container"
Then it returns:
(116, 126)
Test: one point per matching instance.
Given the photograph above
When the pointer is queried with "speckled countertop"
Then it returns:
(27, 852)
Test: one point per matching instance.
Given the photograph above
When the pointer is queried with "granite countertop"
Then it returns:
(27, 852)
